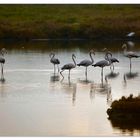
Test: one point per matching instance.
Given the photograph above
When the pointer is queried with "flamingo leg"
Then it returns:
(69, 75)
(130, 64)
(62, 74)
(2, 75)
(86, 73)
(54, 68)
(1, 70)
(113, 66)
(110, 68)
(58, 68)
(102, 76)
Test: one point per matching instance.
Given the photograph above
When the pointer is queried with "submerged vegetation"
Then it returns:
(125, 113)
(68, 21)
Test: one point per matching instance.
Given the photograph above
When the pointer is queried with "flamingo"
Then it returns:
(86, 62)
(69, 66)
(129, 54)
(103, 63)
(54, 61)
(3, 51)
(2, 61)
(131, 34)
(112, 59)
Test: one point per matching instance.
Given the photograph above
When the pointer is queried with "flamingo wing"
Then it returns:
(68, 66)
(113, 60)
(132, 54)
(101, 63)
(85, 63)
(2, 60)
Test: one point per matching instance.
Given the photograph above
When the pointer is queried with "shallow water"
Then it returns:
(35, 102)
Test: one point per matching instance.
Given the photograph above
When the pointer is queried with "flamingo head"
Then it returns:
(92, 51)
(3, 51)
(51, 54)
(109, 53)
(73, 55)
(124, 46)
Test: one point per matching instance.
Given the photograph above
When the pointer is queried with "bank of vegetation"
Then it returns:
(68, 21)
(125, 112)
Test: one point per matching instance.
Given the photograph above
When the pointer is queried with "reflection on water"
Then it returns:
(129, 76)
(34, 101)
(103, 89)
(126, 126)
(2, 80)
(84, 81)
(2, 88)
(112, 75)
(70, 88)
(55, 77)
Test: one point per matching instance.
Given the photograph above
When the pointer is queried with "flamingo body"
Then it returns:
(113, 60)
(68, 66)
(129, 54)
(55, 61)
(85, 63)
(101, 63)
(2, 60)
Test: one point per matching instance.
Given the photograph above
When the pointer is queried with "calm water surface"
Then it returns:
(35, 102)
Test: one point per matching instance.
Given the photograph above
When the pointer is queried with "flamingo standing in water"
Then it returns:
(54, 61)
(129, 54)
(2, 61)
(103, 63)
(87, 62)
(69, 66)
(112, 59)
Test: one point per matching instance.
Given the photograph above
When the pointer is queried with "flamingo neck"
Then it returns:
(52, 56)
(91, 57)
(74, 60)
(107, 58)
(125, 50)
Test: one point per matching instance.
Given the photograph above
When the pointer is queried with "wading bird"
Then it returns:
(54, 61)
(69, 66)
(2, 61)
(131, 34)
(129, 54)
(112, 59)
(86, 62)
(103, 63)
(3, 51)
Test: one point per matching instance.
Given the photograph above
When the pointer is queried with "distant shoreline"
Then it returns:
(69, 39)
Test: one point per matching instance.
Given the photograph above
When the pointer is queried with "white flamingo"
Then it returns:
(131, 34)
(54, 61)
(129, 54)
(86, 62)
(69, 66)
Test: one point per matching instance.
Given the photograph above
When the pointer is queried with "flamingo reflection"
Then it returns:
(112, 75)
(55, 77)
(101, 88)
(70, 88)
